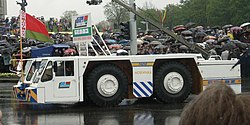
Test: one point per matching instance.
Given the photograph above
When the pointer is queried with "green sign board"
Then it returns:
(85, 31)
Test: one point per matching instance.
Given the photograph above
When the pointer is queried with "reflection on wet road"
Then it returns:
(131, 112)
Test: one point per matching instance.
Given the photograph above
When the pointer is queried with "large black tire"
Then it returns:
(165, 94)
(97, 96)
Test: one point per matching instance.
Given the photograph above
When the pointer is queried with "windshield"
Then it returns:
(33, 70)
(27, 66)
(42, 66)
(39, 70)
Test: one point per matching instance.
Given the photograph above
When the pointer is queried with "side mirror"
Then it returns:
(55, 66)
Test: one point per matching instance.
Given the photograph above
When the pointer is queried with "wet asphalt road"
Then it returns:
(130, 112)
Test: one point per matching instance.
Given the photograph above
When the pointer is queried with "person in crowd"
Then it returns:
(216, 105)
(150, 51)
(7, 22)
(230, 35)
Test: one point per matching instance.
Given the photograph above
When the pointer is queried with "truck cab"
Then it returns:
(58, 77)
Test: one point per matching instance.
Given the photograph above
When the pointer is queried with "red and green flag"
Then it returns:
(32, 28)
(164, 16)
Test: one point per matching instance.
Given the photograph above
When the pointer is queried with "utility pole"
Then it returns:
(22, 4)
(133, 31)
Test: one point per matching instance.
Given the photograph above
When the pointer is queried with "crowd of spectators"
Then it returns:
(227, 41)
(9, 38)
(61, 24)
(10, 25)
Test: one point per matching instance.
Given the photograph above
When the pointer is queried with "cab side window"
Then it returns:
(48, 74)
(60, 68)
(69, 66)
(65, 68)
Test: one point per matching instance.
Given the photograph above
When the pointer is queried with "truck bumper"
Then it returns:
(31, 94)
(19, 91)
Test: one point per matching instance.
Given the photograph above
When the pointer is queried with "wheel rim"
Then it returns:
(107, 85)
(173, 82)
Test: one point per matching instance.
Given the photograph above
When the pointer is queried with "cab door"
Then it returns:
(65, 80)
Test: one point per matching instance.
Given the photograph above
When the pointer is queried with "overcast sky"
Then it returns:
(55, 8)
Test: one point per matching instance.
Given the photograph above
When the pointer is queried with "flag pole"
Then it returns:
(22, 15)
(21, 43)
(22, 5)
(21, 52)
(22, 35)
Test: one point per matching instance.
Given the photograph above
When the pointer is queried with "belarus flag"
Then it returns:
(32, 28)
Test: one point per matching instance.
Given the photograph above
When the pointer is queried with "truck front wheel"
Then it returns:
(172, 83)
(106, 85)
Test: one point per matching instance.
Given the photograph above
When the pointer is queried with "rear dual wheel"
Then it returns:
(172, 83)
